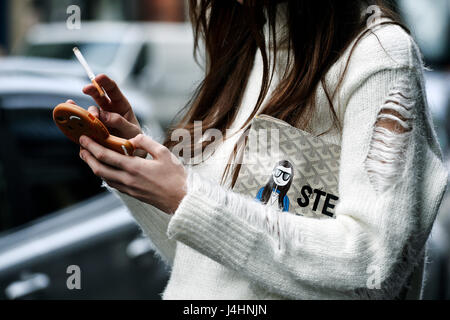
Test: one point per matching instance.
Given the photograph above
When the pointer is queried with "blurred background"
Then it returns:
(53, 211)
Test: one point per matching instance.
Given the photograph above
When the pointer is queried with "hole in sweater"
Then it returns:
(385, 162)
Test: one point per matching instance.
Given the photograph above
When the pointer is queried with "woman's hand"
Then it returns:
(159, 182)
(115, 111)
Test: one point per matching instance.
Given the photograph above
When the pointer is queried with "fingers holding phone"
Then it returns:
(115, 101)
(113, 108)
(119, 126)
(117, 123)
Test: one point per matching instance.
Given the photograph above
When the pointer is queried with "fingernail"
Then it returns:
(82, 140)
(82, 156)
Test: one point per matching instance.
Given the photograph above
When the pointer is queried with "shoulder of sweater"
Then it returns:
(386, 47)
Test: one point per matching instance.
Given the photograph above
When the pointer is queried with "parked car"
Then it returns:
(99, 237)
(156, 58)
(54, 212)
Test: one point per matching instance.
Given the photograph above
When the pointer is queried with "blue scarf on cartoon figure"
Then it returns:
(285, 200)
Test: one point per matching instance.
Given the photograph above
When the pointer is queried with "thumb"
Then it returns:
(156, 150)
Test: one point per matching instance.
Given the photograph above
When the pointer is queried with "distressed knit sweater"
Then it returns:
(223, 245)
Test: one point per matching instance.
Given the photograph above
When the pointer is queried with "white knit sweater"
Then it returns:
(220, 246)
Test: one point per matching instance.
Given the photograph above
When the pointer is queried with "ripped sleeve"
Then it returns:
(392, 133)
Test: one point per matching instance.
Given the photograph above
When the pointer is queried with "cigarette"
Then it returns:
(89, 72)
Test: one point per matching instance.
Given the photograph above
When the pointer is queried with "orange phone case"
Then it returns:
(75, 121)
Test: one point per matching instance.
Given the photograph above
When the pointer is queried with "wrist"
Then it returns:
(180, 193)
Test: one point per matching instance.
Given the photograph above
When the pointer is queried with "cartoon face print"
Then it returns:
(282, 175)
(276, 189)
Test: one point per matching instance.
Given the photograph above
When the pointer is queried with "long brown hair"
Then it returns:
(317, 34)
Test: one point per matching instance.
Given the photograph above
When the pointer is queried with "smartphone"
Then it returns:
(75, 122)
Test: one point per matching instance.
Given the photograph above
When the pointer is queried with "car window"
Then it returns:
(97, 53)
(141, 62)
(40, 170)
(5, 216)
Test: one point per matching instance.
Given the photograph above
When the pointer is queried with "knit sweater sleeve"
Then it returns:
(391, 183)
(153, 222)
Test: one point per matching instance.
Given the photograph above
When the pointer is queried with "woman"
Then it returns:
(274, 193)
(339, 69)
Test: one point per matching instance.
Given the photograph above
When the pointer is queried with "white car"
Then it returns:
(155, 58)
(17, 85)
